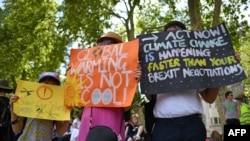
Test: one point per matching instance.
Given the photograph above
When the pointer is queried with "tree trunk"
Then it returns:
(195, 14)
(196, 24)
(220, 97)
(217, 9)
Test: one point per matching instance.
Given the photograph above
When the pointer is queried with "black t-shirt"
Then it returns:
(132, 130)
(5, 126)
(4, 111)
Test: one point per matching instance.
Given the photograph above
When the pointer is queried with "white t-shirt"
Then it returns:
(178, 104)
(75, 131)
(76, 122)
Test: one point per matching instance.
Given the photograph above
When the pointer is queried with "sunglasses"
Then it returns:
(174, 28)
(106, 42)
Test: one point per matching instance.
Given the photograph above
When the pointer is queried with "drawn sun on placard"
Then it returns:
(73, 91)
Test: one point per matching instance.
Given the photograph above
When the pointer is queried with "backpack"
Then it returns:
(5, 127)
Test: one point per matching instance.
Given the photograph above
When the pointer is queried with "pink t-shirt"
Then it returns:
(111, 117)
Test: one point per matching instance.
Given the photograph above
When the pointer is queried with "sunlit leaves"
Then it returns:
(31, 42)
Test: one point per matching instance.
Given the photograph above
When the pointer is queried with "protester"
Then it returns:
(5, 125)
(231, 109)
(76, 126)
(110, 117)
(134, 129)
(178, 114)
(244, 112)
(31, 129)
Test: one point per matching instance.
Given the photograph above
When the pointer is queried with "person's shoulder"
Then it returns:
(76, 120)
(224, 102)
(4, 98)
(129, 125)
(4, 101)
(236, 101)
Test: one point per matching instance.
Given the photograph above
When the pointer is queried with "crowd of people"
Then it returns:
(176, 114)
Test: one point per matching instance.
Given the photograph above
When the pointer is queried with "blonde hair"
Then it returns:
(137, 117)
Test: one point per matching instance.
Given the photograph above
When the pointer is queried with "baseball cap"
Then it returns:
(52, 75)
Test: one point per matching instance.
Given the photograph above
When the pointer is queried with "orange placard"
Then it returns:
(102, 76)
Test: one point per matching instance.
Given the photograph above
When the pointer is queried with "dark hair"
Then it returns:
(174, 23)
(101, 133)
(49, 75)
(228, 93)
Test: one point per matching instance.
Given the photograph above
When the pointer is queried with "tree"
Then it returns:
(30, 41)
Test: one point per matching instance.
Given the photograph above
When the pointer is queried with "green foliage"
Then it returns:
(154, 16)
(83, 20)
(76, 112)
(245, 61)
(30, 41)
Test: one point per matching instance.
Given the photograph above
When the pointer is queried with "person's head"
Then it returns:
(109, 38)
(215, 135)
(229, 95)
(174, 25)
(101, 133)
(49, 78)
(135, 118)
(4, 87)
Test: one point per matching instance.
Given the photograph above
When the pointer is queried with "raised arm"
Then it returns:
(16, 122)
(61, 127)
(209, 95)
